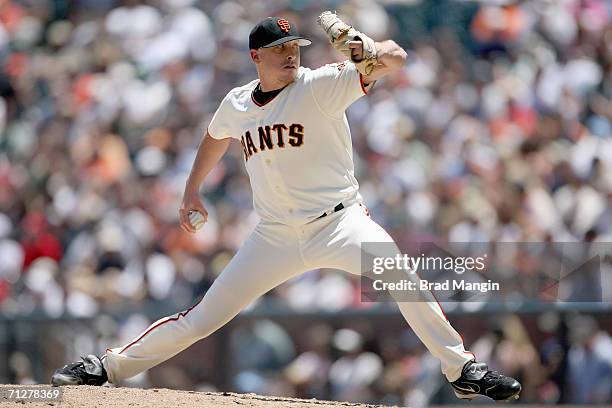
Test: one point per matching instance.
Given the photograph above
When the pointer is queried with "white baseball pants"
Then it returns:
(271, 255)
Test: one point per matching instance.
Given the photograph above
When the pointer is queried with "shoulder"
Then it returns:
(337, 66)
(239, 96)
(332, 70)
(304, 74)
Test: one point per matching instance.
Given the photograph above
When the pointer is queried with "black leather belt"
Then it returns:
(336, 209)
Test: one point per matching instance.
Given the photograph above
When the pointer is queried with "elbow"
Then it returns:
(401, 56)
(398, 56)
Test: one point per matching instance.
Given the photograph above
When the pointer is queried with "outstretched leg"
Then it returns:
(336, 243)
(268, 257)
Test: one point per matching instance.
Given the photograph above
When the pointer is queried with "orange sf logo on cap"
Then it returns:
(284, 25)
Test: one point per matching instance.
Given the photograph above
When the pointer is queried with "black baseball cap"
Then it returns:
(273, 31)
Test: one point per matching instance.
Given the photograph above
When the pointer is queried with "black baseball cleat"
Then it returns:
(476, 379)
(88, 371)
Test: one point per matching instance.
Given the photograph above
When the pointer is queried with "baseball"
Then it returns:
(196, 219)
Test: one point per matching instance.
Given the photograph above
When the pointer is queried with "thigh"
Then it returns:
(266, 259)
(339, 244)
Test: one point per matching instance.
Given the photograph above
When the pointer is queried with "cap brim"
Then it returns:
(302, 42)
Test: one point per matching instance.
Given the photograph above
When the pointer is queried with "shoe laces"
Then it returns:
(78, 367)
(494, 375)
(82, 366)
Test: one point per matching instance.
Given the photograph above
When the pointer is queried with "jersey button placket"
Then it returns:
(278, 184)
(275, 181)
(281, 188)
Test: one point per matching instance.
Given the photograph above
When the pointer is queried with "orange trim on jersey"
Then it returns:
(216, 138)
(254, 101)
(210, 134)
(365, 209)
(170, 319)
(362, 84)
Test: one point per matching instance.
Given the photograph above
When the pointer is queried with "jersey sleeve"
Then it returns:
(336, 86)
(220, 126)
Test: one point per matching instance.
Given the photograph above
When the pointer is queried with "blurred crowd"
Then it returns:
(559, 358)
(504, 135)
(573, 363)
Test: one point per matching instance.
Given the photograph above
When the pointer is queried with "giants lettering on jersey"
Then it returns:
(268, 137)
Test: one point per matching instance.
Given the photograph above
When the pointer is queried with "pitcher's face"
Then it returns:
(281, 61)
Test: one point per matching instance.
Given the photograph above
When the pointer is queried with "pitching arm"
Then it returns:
(209, 153)
(390, 56)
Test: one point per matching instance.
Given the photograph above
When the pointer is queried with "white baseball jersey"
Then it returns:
(297, 147)
(298, 154)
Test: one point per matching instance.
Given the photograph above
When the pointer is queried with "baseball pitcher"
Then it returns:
(297, 148)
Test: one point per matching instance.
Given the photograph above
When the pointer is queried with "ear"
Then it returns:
(255, 56)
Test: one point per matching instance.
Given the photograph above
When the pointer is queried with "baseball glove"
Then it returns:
(340, 34)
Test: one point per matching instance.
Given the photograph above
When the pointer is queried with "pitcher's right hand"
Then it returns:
(191, 202)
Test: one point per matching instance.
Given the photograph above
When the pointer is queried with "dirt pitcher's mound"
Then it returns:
(91, 397)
